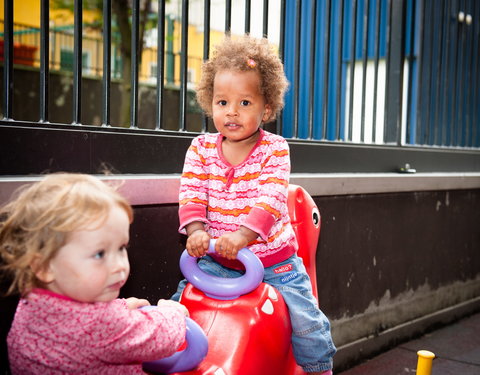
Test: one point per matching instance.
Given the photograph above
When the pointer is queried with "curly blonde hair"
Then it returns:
(35, 225)
(245, 54)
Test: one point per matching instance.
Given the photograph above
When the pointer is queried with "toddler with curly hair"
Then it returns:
(234, 188)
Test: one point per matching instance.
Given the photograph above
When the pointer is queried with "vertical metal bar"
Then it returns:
(453, 117)
(469, 125)
(461, 79)
(228, 16)
(282, 54)
(353, 58)
(411, 90)
(447, 82)
(394, 63)
(437, 122)
(475, 109)
(420, 137)
(160, 63)
(107, 58)
(135, 60)
(206, 47)
(265, 18)
(77, 62)
(8, 61)
(387, 71)
(44, 59)
(364, 62)
(327, 68)
(428, 77)
(375, 69)
(184, 67)
(339, 71)
(311, 89)
(248, 15)
(298, 35)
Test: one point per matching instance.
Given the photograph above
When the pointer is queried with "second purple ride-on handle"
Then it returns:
(219, 287)
(187, 359)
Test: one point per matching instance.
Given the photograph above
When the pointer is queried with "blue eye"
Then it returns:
(99, 254)
(222, 102)
(245, 103)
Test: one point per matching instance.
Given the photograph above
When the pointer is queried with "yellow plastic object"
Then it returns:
(424, 365)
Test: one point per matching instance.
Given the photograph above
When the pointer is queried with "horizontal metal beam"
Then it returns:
(28, 148)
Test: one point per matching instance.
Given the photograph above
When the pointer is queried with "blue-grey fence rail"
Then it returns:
(375, 84)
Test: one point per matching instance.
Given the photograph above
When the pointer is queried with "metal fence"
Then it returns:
(392, 73)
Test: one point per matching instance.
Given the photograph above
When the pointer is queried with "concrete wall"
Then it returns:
(391, 264)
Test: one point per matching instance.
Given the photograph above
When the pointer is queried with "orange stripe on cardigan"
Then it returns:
(274, 180)
(185, 201)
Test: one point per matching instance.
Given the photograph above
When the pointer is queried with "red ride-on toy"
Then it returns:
(246, 321)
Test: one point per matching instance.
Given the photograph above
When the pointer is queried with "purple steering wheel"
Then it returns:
(219, 287)
(187, 359)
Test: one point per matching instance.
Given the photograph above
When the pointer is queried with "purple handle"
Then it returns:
(219, 287)
(188, 359)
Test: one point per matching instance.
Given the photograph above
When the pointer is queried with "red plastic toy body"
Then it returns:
(251, 335)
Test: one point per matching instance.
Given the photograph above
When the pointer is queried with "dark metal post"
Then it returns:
(160, 63)
(228, 16)
(184, 67)
(248, 13)
(265, 18)
(327, 69)
(135, 59)
(282, 54)
(8, 61)
(395, 58)
(77, 62)
(353, 48)
(298, 32)
(364, 63)
(44, 59)
(313, 76)
(206, 46)
(107, 56)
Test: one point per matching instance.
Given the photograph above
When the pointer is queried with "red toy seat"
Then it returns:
(251, 335)
(248, 335)
(305, 219)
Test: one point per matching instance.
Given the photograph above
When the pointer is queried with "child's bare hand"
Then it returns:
(135, 303)
(229, 244)
(170, 303)
(197, 243)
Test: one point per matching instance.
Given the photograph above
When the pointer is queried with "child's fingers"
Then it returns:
(135, 303)
(197, 244)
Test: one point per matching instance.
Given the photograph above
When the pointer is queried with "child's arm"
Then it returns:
(198, 239)
(229, 244)
(121, 335)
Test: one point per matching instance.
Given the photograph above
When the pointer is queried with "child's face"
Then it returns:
(93, 265)
(238, 106)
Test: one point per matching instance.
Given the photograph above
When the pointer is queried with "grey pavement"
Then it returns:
(456, 348)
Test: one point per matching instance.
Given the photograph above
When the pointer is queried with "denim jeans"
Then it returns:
(312, 343)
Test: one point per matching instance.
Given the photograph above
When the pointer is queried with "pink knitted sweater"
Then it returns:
(52, 334)
(253, 193)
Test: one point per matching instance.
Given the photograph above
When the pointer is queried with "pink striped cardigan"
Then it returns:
(252, 193)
